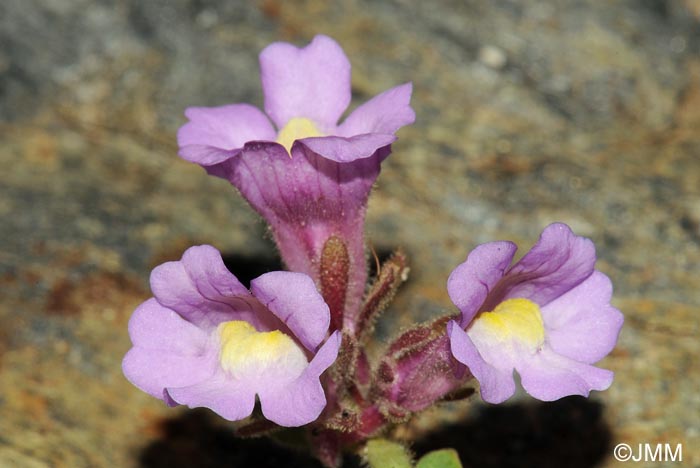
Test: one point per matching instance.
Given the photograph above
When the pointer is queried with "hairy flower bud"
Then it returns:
(417, 371)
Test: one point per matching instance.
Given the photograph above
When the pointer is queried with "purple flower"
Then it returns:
(205, 341)
(307, 176)
(548, 317)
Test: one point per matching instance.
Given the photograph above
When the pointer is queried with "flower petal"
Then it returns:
(153, 326)
(226, 127)
(470, 283)
(204, 292)
(496, 385)
(209, 157)
(341, 182)
(325, 356)
(557, 263)
(385, 113)
(215, 134)
(167, 350)
(311, 82)
(153, 370)
(303, 400)
(345, 150)
(581, 324)
(548, 376)
(293, 298)
(230, 399)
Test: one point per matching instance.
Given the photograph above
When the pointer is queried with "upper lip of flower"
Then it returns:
(310, 84)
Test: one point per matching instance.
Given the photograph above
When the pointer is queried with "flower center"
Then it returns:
(513, 320)
(297, 128)
(246, 352)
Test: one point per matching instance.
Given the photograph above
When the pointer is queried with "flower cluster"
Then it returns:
(295, 341)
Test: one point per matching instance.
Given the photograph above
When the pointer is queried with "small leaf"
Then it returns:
(382, 453)
(445, 458)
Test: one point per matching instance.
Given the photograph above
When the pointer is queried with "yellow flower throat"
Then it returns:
(243, 348)
(295, 129)
(518, 319)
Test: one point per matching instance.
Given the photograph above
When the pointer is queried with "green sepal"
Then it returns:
(444, 458)
(382, 453)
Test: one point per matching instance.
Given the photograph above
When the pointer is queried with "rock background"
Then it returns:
(528, 113)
